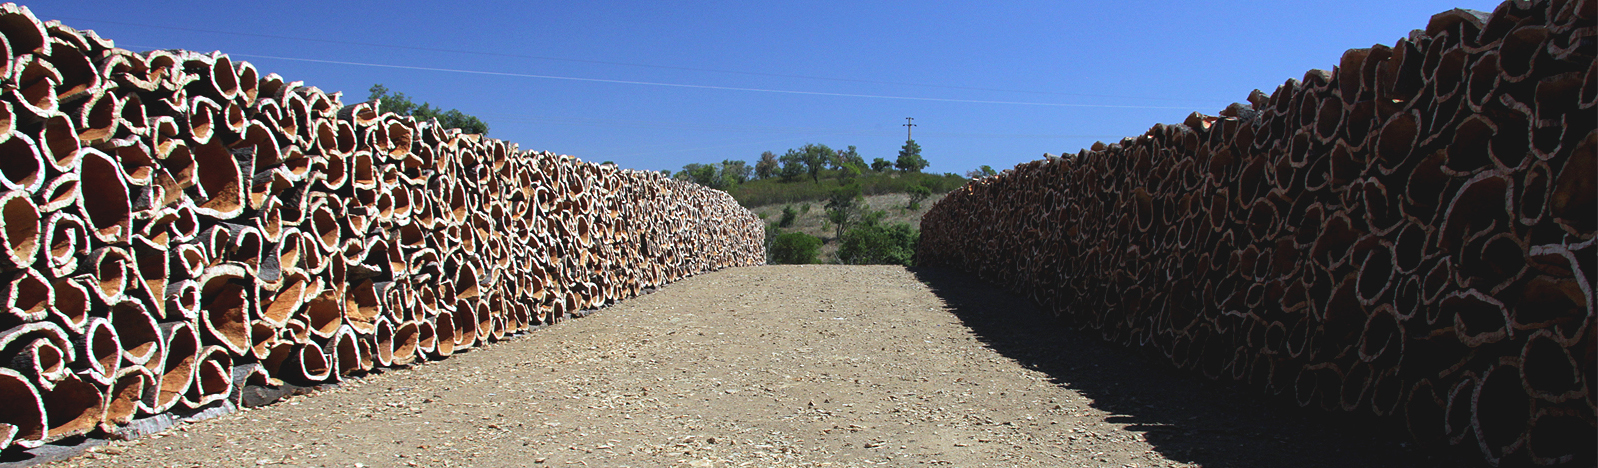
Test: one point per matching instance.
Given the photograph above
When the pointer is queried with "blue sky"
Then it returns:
(995, 83)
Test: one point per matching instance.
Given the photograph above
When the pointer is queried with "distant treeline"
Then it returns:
(814, 171)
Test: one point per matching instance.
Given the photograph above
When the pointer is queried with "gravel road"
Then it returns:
(780, 366)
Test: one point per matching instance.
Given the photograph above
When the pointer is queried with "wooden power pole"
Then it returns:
(907, 124)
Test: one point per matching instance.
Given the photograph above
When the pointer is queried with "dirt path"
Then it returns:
(776, 366)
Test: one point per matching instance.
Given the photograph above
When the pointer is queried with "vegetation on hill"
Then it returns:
(847, 229)
(401, 104)
(863, 238)
(814, 171)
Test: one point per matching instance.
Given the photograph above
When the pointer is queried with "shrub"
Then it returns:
(788, 216)
(873, 244)
(795, 248)
(918, 193)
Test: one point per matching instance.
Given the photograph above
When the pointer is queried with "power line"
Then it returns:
(603, 62)
(694, 86)
(668, 125)
(699, 148)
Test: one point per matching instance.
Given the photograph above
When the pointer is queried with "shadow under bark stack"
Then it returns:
(175, 226)
(1410, 235)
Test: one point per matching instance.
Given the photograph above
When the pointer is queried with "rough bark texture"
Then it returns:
(1410, 235)
(171, 222)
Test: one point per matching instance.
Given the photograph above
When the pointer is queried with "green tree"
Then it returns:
(910, 158)
(843, 207)
(981, 172)
(401, 104)
(880, 164)
(794, 248)
(767, 166)
(793, 166)
(736, 171)
(918, 193)
(873, 244)
(848, 172)
(847, 158)
(703, 174)
(815, 157)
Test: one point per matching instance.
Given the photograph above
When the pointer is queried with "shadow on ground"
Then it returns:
(1184, 416)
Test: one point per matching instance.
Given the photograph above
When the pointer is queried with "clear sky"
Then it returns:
(656, 85)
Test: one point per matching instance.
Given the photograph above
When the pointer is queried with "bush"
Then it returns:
(788, 216)
(873, 244)
(774, 191)
(795, 248)
(918, 193)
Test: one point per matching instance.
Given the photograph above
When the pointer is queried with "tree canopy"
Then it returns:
(766, 168)
(910, 158)
(401, 104)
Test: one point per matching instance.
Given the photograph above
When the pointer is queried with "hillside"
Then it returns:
(814, 221)
(774, 191)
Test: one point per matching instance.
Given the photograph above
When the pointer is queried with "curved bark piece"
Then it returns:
(97, 120)
(287, 300)
(362, 307)
(408, 342)
(61, 192)
(137, 332)
(23, 31)
(1482, 203)
(27, 296)
(176, 373)
(307, 364)
(225, 296)
(103, 198)
(152, 268)
(183, 299)
(64, 238)
(213, 378)
(1549, 372)
(1500, 412)
(71, 306)
(79, 78)
(345, 350)
(1478, 319)
(443, 336)
(24, 412)
(133, 118)
(43, 361)
(35, 87)
(220, 183)
(467, 333)
(73, 407)
(1559, 437)
(127, 387)
(325, 312)
(383, 342)
(1521, 49)
(222, 81)
(107, 269)
(1571, 201)
(24, 165)
(58, 143)
(1381, 343)
(102, 350)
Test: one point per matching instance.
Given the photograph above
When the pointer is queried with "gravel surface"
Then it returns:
(780, 366)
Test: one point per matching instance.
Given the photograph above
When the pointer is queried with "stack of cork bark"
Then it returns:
(1410, 235)
(176, 225)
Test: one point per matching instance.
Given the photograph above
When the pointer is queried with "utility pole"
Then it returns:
(907, 124)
